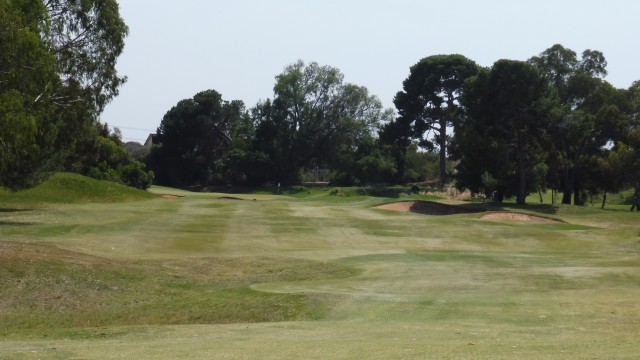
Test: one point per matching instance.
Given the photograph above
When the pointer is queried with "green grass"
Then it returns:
(310, 274)
(46, 288)
(619, 201)
(73, 188)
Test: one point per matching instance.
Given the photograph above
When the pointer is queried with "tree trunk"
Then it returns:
(577, 192)
(636, 199)
(540, 194)
(401, 165)
(443, 152)
(522, 175)
(604, 200)
(568, 186)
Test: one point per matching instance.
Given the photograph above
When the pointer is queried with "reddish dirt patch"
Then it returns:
(169, 196)
(509, 216)
(428, 208)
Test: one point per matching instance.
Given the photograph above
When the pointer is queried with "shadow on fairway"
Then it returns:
(12, 210)
(432, 208)
(438, 209)
(16, 223)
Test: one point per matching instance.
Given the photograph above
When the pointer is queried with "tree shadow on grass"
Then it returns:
(440, 209)
(265, 190)
(12, 210)
(16, 223)
(7, 210)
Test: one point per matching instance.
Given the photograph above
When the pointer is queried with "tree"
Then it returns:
(57, 71)
(631, 158)
(508, 109)
(26, 67)
(429, 103)
(590, 116)
(630, 152)
(195, 136)
(398, 138)
(136, 150)
(313, 119)
(371, 163)
(86, 38)
(605, 172)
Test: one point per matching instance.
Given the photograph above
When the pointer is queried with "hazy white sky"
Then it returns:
(178, 48)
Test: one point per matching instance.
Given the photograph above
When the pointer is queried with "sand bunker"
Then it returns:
(434, 208)
(170, 196)
(229, 198)
(428, 208)
(509, 216)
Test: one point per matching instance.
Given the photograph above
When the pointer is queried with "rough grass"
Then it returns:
(45, 288)
(314, 276)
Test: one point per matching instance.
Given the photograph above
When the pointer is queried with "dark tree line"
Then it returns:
(314, 121)
(515, 128)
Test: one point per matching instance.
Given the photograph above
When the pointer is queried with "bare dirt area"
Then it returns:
(510, 216)
(428, 208)
(170, 196)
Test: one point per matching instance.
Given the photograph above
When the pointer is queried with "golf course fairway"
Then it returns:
(311, 275)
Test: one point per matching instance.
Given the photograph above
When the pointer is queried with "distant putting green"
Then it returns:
(316, 274)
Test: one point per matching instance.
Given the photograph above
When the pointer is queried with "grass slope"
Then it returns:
(314, 275)
(74, 188)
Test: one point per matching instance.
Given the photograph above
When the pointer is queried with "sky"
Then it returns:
(176, 49)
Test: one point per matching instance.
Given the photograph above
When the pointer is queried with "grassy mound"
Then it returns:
(74, 188)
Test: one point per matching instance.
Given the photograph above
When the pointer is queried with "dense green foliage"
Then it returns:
(195, 136)
(57, 72)
(508, 111)
(102, 155)
(26, 72)
(314, 122)
(591, 114)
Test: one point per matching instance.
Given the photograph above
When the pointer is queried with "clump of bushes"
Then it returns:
(104, 157)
